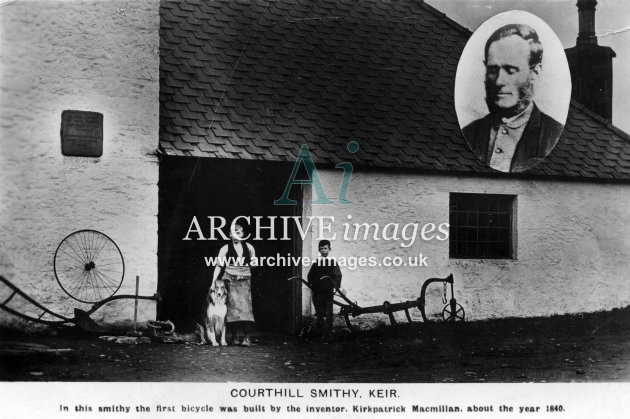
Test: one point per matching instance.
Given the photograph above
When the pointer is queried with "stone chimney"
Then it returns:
(591, 65)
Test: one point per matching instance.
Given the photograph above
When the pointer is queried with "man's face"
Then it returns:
(324, 250)
(509, 78)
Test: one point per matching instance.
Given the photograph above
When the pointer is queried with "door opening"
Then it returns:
(203, 187)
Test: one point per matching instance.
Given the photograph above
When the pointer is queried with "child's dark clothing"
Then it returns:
(323, 277)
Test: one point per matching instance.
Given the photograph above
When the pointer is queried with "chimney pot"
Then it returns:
(586, 16)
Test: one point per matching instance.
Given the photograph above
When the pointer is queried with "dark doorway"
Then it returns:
(202, 187)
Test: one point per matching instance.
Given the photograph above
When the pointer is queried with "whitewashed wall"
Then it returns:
(99, 56)
(573, 245)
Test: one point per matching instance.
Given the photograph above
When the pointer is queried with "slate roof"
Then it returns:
(256, 79)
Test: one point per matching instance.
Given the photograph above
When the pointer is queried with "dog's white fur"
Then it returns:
(215, 312)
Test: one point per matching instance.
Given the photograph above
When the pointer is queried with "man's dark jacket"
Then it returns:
(539, 138)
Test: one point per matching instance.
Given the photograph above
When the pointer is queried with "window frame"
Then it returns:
(455, 227)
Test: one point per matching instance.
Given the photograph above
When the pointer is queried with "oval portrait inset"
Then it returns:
(512, 91)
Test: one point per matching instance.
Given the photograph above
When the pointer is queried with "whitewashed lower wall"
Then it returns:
(91, 56)
(573, 245)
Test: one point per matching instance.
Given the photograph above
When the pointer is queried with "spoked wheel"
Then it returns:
(89, 266)
(450, 315)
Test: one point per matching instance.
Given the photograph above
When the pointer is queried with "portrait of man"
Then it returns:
(515, 134)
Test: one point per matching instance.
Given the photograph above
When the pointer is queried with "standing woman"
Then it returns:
(234, 267)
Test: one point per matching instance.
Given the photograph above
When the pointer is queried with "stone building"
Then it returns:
(102, 58)
(242, 87)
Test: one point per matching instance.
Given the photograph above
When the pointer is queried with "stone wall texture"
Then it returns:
(572, 245)
(99, 56)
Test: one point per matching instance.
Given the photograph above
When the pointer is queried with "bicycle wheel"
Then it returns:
(89, 266)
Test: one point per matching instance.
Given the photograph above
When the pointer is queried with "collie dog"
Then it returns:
(213, 329)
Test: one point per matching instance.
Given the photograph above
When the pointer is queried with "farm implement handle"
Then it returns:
(81, 318)
(451, 312)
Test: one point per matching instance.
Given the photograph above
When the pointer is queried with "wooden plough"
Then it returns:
(48, 317)
(451, 312)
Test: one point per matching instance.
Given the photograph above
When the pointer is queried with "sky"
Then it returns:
(562, 17)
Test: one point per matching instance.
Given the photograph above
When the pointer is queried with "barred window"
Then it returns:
(481, 226)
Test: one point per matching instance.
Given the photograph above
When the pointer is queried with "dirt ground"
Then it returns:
(582, 348)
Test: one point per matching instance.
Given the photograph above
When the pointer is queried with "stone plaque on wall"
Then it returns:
(81, 133)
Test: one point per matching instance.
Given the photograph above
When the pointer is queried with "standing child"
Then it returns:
(323, 278)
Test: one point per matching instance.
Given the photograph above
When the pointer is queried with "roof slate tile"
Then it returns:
(254, 79)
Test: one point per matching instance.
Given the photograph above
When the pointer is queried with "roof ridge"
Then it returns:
(445, 18)
(608, 124)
